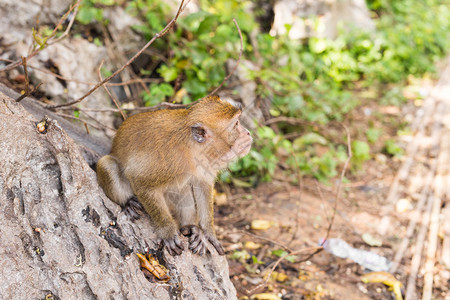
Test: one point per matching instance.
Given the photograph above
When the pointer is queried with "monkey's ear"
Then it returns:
(200, 133)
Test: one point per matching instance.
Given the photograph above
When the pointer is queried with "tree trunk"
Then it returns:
(61, 237)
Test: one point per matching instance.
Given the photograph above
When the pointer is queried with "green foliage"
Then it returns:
(158, 93)
(281, 252)
(373, 134)
(92, 10)
(361, 153)
(256, 260)
(314, 80)
(392, 148)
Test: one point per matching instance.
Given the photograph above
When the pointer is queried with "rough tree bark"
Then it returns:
(60, 235)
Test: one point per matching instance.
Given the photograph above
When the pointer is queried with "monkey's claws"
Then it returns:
(172, 245)
(198, 240)
(132, 208)
(215, 242)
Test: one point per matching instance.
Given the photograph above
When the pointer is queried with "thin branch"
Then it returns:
(80, 120)
(156, 36)
(237, 63)
(66, 32)
(109, 93)
(322, 198)
(267, 239)
(103, 126)
(25, 71)
(314, 250)
(115, 110)
(292, 121)
(31, 92)
(47, 42)
(338, 192)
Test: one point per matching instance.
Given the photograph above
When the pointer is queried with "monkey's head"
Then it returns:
(218, 133)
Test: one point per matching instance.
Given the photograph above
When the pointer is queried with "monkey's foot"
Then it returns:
(198, 240)
(172, 245)
(132, 208)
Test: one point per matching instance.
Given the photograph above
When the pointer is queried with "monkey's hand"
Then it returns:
(198, 240)
(172, 245)
(132, 208)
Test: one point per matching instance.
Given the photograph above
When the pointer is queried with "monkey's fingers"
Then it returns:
(134, 203)
(199, 248)
(131, 213)
(173, 245)
(216, 244)
(195, 242)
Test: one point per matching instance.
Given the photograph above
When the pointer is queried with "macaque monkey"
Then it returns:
(169, 160)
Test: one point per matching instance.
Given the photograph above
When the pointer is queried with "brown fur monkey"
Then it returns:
(170, 159)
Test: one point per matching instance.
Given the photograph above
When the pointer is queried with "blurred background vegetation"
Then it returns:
(316, 83)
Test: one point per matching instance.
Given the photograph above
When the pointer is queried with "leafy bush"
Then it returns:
(315, 80)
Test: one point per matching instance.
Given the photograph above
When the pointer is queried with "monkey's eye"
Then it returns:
(237, 123)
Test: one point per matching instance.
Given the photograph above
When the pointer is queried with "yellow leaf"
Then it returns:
(280, 277)
(252, 245)
(265, 296)
(261, 224)
(387, 279)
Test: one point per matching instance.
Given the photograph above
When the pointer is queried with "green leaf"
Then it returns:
(256, 260)
(241, 183)
(392, 148)
(281, 252)
(106, 2)
(169, 74)
(373, 134)
(265, 133)
(360, 151)
(308, 139)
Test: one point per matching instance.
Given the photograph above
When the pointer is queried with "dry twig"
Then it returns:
(156, 36)
(31, 92)
(267, 239)
(338, 191)
(49, 40)
(109, 93)
(314, 251)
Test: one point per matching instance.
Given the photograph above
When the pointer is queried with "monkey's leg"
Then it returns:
(184, 207)
(155, 205)
(202, 193)
(112, 180)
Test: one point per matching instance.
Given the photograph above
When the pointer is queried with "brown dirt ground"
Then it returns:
(300, 219)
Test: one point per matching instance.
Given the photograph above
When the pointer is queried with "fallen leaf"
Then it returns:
(387, 279)
(278, 276)
(371, 240)
(261, 224)
(150, 263)
(251, 245)
(265, 296)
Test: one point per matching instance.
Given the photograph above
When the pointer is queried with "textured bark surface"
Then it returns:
(60, 235)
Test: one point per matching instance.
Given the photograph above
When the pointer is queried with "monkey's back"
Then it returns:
(154, 146)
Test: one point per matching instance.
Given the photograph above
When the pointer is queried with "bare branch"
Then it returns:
(31, 92)
(109, 93)
(80, 120)
(314, 251)
(48, 42)
(156, 36)
(338, 191)
(66, 32)
(267, 239)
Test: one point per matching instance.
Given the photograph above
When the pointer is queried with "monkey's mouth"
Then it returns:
(245, 147)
